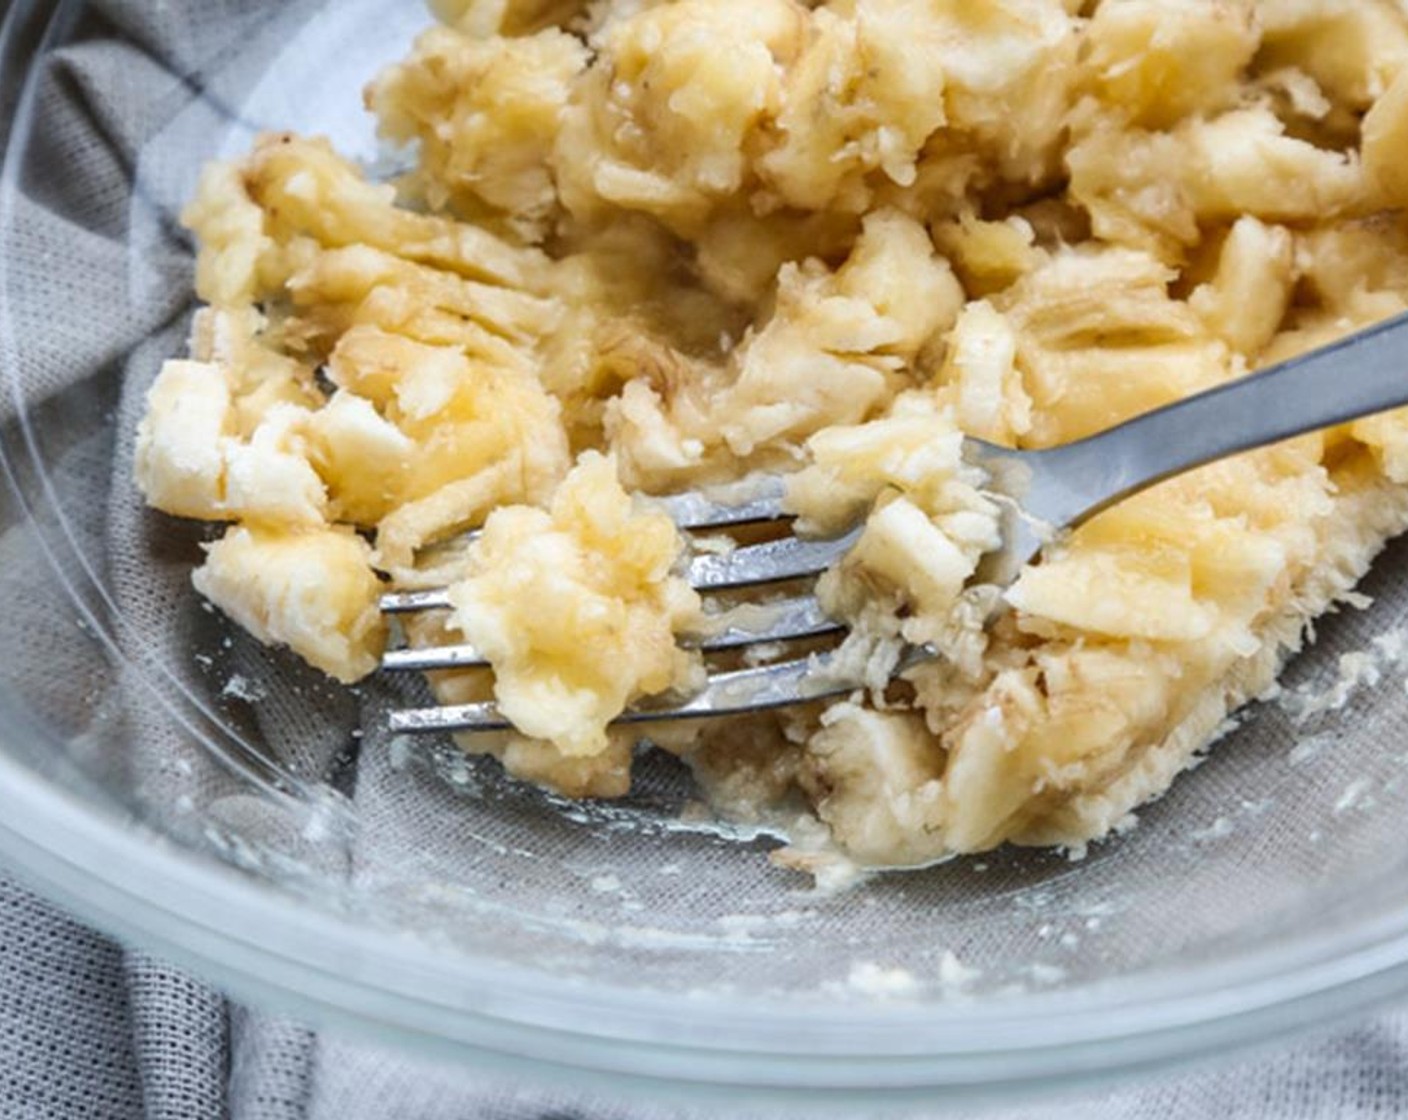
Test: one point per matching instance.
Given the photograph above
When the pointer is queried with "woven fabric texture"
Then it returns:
(89, 1029)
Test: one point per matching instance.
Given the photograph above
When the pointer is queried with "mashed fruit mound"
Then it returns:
(576, 608)
(653, 245)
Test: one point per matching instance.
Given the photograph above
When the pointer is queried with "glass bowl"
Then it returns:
(176, 783)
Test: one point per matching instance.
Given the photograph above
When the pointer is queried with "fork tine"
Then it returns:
(771, 562)
(745, 690)
(424, 659)
(785, 620)
(693, 510)
(688, 511)
(409, 602)
(750, 566)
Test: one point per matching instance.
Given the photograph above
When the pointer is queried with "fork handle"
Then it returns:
(1355, 377)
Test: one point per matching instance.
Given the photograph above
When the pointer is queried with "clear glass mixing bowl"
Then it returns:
(175, 783)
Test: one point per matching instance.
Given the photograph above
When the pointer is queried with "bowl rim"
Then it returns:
(276, 948)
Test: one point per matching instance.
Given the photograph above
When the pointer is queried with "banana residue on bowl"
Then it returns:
(650, 247)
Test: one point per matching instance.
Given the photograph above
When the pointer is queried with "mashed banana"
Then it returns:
(677, 242)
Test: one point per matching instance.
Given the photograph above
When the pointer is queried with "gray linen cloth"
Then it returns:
(90, 1029)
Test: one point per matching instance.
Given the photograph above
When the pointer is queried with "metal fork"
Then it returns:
(1058, 489)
